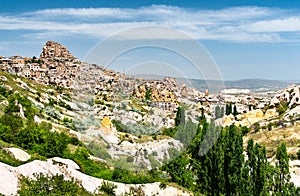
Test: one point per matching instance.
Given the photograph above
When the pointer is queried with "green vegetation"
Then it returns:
(219, 112)
(223, 169)
(169, 131)
(180, 116)
(282, 107)
(64, 105)
(135, 129)
(46, 185)
(107, 188)
(148, 94)
(135, 191)
(98, 150)
(5, 157)
(228, 109)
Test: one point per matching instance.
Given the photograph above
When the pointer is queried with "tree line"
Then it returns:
(227, 170)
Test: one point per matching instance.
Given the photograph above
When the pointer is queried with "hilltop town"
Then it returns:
(131, 101)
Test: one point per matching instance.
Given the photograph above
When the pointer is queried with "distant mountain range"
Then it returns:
(252, 84)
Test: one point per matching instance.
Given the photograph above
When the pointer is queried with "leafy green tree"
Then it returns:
(186, 132)
(171, 131)
(148, 94)
(4, 91)
(44, 142)
(282, 107)
(219, 112)
(228, 109)
(10, 126)
(255, 171)
(282, 177)
(177, 168)
(256, 127)
(233, 159)
(180, 116)
(235, 112)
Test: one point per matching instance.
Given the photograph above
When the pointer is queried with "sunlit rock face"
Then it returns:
(249, 118)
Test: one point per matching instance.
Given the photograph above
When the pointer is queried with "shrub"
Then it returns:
(129, 159)
(135, 191)
(5, 157)
(98, 150)
(9, 127)
(169, 131)
(46, 185)
(44, 142)
(4, 91)
(162, 185)
(283, 106)
(108, 188)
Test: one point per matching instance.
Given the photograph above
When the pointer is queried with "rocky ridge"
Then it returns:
(9, 178)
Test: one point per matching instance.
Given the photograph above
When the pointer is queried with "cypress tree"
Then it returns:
(282, 177)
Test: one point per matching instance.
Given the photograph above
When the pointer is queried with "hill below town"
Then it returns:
(66, 124)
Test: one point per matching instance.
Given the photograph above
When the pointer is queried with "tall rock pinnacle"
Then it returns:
(53, 51)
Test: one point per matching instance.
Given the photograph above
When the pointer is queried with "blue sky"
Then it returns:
(247, 39)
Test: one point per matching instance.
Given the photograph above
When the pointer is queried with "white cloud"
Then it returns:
(291, 24)
(236, 24)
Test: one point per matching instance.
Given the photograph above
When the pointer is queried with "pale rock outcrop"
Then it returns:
(37, 119)
(108, 132)
(291, 113)
(9, 178)
(22, 114)
(4, 102)
(249, 118)
(295, 172)
(53, 50)
(228, 120)
(3, 78)
(274, 101)
(271, 113)
(290, 95)
(18, 154)
(296, 98)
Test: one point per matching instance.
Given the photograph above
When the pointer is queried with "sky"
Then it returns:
(243, 39)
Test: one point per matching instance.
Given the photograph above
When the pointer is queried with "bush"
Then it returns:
(108, 188)
(64, 105)
(12, 108)
(162, 185)
(4, 91)
(46, 185)
(129, 159)
(169, 131)
(283, 106)
(98, 150)
(8, 159)
(44, 142)
(52, 112)
(9, 127)
(135, 191)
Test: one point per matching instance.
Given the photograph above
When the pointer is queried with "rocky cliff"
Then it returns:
(55, 51)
